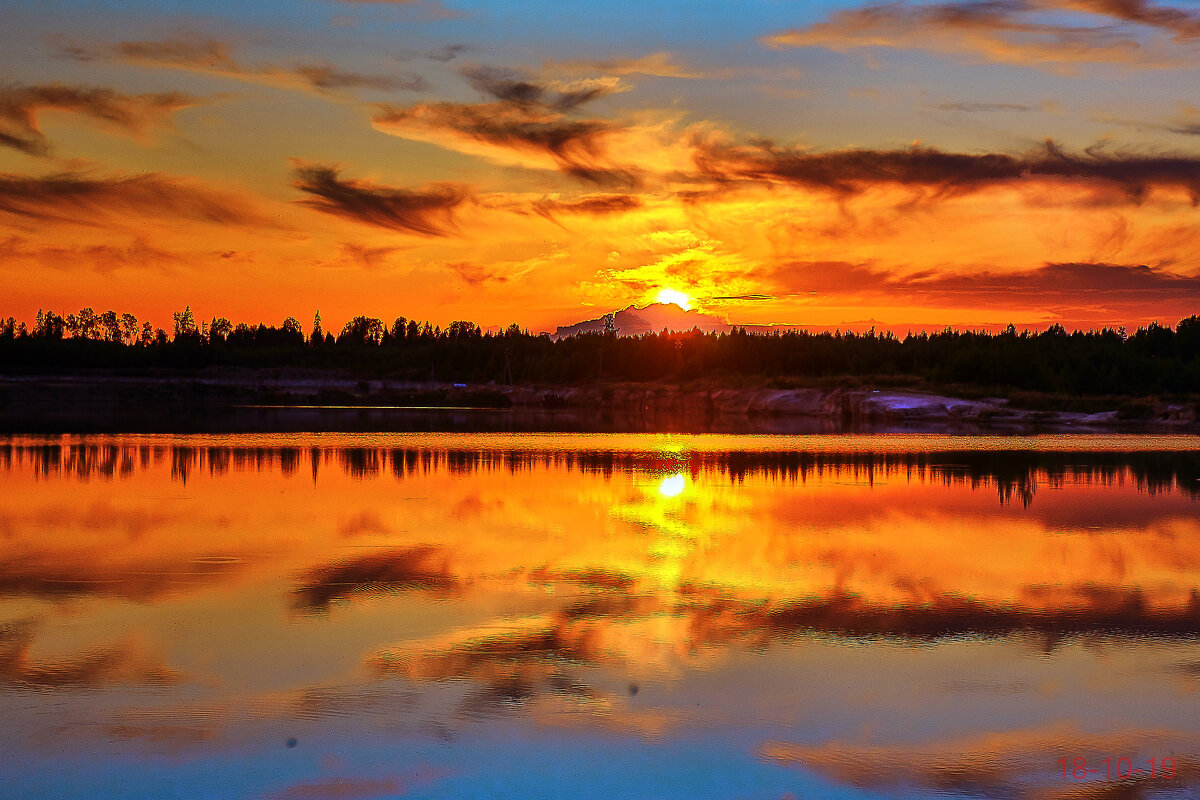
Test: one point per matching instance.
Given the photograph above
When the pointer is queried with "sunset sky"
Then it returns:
(820, 164)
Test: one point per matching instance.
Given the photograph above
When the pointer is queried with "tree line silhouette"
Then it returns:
(1156, 359)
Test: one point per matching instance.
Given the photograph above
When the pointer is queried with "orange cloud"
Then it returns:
(511, 87)
(660, 64)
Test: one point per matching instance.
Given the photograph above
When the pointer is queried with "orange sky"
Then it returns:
(825, 164)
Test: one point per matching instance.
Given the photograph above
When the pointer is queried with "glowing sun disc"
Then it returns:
(671, 486)
(667, 296)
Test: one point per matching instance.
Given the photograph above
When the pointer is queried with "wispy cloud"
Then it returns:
(134, 114)
(507, 132)
(976, 107)
(82, 199)
(214, 57)
(523, 92)
(426, 212)
(430, 9)
(591, 205)
(104, 258)
(847, 172)
(1011, 31)
(661, 64)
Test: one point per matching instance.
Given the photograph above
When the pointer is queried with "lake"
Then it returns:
(430, 615)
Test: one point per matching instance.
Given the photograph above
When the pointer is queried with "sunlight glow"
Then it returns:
(667, 296)
(671, 486)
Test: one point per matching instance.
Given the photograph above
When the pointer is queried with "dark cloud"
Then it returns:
(81, 199)
(67, 577)
(20, 107)
(577, 147)
(592, 205)
(985, 107)
(163, 737)
(511, 667)
(476, 274)
(369, 257)
(191, 53)
(847, 172)
(365, 523)
(447, 52)
(591, 578)
(1053, 612)
(336, 701)
(343, 789)
(511, 87)
(1075, 283)
(426, 212)
(324, 76)
(1184, 24)
(411, 569)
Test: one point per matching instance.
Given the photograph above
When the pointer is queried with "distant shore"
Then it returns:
(235, 398)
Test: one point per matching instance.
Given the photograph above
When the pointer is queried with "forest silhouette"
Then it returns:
(1154, 360)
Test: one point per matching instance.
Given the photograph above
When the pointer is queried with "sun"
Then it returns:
(672, 485)
(667, 296)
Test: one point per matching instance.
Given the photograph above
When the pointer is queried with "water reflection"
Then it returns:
(826, 617)
(1016, 473)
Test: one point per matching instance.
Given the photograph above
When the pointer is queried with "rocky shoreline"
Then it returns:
(52, 397)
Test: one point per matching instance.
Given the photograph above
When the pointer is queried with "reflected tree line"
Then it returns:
(1016, 475)
(1154, 359)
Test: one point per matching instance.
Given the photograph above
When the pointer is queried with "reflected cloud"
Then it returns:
(358, 788)
(513, 664)
(1005, 764)
(124, 663)
(662, 589)
(58, 575)
(422, 568)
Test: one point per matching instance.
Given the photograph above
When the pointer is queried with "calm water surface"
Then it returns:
(355, 616)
